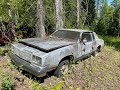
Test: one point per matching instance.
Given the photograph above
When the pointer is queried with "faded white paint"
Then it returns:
(53, 57)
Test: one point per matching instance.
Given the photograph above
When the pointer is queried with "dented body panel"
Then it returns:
(46, 54)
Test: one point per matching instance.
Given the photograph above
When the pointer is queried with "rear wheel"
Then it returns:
(97, 51)
(62, 68)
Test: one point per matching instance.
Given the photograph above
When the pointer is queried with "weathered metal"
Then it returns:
(49, 52)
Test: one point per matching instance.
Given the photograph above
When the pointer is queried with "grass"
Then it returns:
(6, 77)
(7, 82)
(112, 42)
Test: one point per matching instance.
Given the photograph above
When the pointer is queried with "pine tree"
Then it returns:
(114, 27)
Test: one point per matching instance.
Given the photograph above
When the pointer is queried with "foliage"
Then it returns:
(70, 12)
(114, 26)
(1, 51)
(56, 87)
(87, 13)
(109, 21)
(112, 41)
(7, 82)
(91, 15)
(50, 16)
(36, 86)
(115, 3)
(103, 22)
(24, 14)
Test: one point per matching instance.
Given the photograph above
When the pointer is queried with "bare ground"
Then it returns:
(95, 73)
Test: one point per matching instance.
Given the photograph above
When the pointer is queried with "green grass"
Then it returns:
(7, 82)
(6, 77)
(112, 41)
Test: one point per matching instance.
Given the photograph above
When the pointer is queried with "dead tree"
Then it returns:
(40, 29)
(59, 14)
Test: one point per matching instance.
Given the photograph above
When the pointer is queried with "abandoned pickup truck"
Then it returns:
(54, 53)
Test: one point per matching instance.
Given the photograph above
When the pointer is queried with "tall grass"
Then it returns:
(112, 41)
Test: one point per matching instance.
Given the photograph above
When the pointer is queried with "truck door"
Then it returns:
(94, 47)
(86, 43)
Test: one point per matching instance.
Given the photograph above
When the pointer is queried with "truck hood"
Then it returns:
(46, 45)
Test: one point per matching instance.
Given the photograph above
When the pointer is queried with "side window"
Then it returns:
(87, 37)
(93, 36)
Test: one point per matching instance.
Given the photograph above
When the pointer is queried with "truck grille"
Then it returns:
(24, 54)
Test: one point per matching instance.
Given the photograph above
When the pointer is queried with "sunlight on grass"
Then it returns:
(112, 41)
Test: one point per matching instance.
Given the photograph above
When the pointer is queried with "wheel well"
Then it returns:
(70, 57)
(99, 47)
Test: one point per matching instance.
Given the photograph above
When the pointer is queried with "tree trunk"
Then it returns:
(78, 12)
(40, 29)
(86, 12)
(98, 8)
(59, 14)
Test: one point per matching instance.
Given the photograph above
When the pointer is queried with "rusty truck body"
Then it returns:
(39, 56)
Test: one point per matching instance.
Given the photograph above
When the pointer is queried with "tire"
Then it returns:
(99, 49)
(96, 52)
(62, 68)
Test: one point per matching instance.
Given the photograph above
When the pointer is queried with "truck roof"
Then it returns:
(77, 30)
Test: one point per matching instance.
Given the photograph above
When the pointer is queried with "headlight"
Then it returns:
(37, 60)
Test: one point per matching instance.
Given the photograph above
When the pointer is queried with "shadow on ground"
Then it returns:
(49, 74)
(38, 79)
(31, 76)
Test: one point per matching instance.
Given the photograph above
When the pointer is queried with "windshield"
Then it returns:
(73, 35)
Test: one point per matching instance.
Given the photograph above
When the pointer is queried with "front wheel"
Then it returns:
(62, 68)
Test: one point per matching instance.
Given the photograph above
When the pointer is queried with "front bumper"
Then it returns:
(27, 66)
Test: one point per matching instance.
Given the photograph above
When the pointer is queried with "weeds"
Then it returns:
(112, 41)
(56, 87)
(97, 73)
(1, 51)
(35, 86)
(6, 77)
(7, 82)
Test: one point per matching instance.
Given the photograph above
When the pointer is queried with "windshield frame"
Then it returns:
(66, 38)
